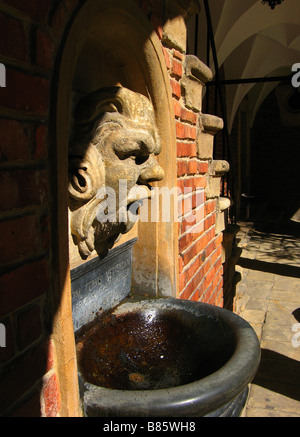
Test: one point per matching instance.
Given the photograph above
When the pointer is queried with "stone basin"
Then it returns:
(166, 357)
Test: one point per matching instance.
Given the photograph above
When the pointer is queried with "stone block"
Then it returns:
(213, 187)
(197, 70)
(220, 222)
(192, 93)
(205, 145)
(209, 125)
(196, 75)
(220, 167)
(174, 33)
(254, 316)
(223, 205)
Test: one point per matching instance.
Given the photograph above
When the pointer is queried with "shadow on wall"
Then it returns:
(123, 47)
(229, 291)
(22, 375)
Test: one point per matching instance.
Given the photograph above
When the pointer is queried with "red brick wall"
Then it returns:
(30, 37)
(31, 33)
(200, 252)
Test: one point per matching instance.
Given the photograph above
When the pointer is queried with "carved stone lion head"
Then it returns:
(115, 140)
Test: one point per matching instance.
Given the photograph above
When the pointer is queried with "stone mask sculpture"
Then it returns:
(115, 138)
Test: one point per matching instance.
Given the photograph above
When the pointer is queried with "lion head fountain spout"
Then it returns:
(113, 150)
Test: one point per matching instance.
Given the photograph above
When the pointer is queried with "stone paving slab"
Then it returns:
(271, 402)
(278, 334)
(271, 258)
(260, 412)
(257, 303)
(280, 313)
(268, 297)
(257, 287)
(285, 295)
(257, 275)
(248, 253)
(284, 348)
(254, 316)
(287, 283)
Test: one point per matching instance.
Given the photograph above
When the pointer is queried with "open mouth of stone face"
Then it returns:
(136, 197)
(114, 218)
(138, 193)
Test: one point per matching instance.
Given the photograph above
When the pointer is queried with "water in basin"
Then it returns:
(152, 348)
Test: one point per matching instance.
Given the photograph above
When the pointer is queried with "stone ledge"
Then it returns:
(220, 167)
(212, 189)
(217, 170)
(208, 126)
(222, 206)
(185, 8)
(211, 123)
(224, 203)
(197, 70)
(174, 34)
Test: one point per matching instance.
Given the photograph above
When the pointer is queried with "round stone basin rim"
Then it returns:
(196, 398)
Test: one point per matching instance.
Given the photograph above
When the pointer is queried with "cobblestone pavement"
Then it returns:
(268, 297)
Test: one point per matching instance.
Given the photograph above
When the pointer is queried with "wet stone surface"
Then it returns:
(148, 350)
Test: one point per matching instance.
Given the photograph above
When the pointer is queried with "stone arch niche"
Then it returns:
(112, 44)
